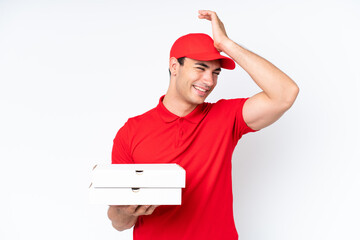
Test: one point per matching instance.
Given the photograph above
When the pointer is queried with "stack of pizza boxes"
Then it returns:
(137, 184)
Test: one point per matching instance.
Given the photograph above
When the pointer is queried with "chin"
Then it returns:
(198, 100)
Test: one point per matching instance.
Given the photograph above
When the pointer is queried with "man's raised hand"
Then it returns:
(218, 29)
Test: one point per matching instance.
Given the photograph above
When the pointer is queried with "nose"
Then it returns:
(209, 79)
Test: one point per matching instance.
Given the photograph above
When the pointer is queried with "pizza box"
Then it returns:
(137, 184)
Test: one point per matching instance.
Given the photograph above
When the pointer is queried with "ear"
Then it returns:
(173, 66)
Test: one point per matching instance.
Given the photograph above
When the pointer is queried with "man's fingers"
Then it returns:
(131, 209)
(128, 209)
(151, 209)
(135, 210)
(207, 17)
(141, 210)
(207, 14)
(203, 16)
(145, 210)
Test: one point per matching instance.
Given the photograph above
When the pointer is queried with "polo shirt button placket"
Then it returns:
(181, 132)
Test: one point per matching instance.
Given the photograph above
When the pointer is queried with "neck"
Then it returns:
(176, 106)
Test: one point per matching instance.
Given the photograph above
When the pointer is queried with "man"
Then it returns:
(199, 136)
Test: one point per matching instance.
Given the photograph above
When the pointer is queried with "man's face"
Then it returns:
(196, 79)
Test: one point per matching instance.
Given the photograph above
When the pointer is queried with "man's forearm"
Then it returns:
(275, 84)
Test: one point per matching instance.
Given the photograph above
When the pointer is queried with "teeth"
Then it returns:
(200, 89)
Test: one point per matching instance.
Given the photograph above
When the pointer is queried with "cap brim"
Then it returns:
(226, 62)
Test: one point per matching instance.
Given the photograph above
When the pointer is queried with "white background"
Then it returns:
(72, 72)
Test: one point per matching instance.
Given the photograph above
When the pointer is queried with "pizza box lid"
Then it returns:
(159, 175)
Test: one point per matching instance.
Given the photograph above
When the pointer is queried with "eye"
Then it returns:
(202, 69)
(217, 73)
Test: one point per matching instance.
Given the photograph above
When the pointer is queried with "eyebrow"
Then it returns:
(206, 66)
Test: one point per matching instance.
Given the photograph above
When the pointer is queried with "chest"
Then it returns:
(180, 142)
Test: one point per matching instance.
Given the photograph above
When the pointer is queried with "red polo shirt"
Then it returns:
(202, 143)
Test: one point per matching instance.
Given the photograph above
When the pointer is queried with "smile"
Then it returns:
(200, 89)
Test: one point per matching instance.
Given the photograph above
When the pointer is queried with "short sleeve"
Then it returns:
(121, 151)
(240, 126)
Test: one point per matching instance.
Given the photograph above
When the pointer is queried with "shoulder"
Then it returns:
(231, 101)
(132, 125)
(226, 109)
(229, 104)
(141, 119)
